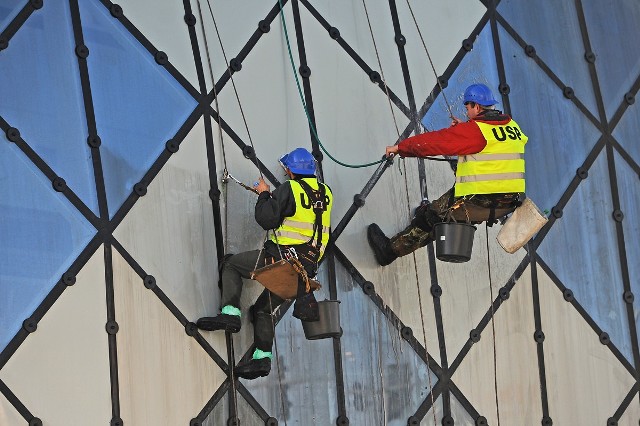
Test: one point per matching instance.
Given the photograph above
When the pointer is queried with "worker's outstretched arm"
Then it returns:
(461, 139)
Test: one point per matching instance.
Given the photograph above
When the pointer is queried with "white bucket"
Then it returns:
(521, 226)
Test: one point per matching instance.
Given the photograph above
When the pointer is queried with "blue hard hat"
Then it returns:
(480, 94)
(299, 161)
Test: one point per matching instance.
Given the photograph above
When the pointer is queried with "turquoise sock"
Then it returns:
(231, 310)
(258, 354)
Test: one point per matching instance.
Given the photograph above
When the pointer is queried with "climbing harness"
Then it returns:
(281, 278)
(318, 200)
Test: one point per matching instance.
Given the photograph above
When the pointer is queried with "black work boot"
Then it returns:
(253, 368)
(380, 245)
(224, 322)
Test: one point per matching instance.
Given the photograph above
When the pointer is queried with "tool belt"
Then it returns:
(300, 258)
(307, 255)
(475, 207)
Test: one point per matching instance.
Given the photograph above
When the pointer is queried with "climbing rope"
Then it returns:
(273, 326)
(433, 68)
(275, 344)
(233, 83)
(493, 328)
(495, 362)
(219, 127)
(384, 79)
(306, 110)
(424, 328)
(234, 394)
(304, 104)
(227, 175)
(406, 186)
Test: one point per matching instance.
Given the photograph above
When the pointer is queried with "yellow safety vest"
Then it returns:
(298, 229)
(499, 167)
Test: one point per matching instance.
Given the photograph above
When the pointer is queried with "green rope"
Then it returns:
(304, 105)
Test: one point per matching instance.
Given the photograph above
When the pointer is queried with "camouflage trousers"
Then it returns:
(474, 209)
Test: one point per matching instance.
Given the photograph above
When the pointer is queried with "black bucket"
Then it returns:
(454, 241)
(329, 323)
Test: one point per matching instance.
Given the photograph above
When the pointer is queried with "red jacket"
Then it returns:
(461, 139)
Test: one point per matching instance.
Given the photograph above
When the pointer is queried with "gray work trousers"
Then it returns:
(234, 269)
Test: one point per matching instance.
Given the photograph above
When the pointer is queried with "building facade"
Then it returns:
(118, 122)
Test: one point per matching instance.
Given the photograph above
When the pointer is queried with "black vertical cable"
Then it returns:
(112, 327)
(503, 87)
(435, 290)
(93, 139)
(617, 214)
(82, 51)
(400, 41)
(538, 335)
(305, 72)
(214, 193)
(337, 345)
(609, 142)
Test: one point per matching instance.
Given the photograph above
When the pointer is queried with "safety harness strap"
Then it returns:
(318, 203)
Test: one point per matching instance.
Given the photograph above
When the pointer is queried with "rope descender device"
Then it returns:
(225, 179)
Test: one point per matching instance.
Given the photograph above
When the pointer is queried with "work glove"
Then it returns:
(305, 308)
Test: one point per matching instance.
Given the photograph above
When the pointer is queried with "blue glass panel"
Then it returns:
(627, 131)
(582, 250)
(248, 415)
(459, 414)
(41, 234)
(617, 47)
(220, 414)
(46, 98)
(478, 66)
(8, 10)
(138, 104)
(385, 381)
(629, 183)
(546, 26)
(306, 377)
(560, 136)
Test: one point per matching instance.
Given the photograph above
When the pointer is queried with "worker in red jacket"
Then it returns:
(489, 174)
